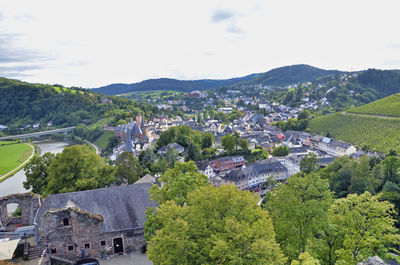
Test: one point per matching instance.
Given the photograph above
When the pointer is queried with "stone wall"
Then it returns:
(83, 233)
(29, 203)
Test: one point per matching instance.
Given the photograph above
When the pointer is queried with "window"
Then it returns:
(70, 248)
(103, 242)
(53, 251)
(66, 221)
(87, 245)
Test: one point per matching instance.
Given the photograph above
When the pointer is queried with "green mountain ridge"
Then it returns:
(276, 77)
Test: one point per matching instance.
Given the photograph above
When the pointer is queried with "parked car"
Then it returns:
(87, 262)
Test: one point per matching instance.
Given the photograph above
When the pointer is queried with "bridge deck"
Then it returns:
(28, 135)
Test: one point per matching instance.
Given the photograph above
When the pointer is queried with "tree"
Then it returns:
(78, 168)
(171, 156)
(244, 144)
(207, 141)
(280, 151)
(37, 173)
(236, 139)
(305, 114)
(228, 143)
(305, 259)
(128, 168)
(147, 158)
(178, 182)
(216, 225)
(299, 210)
(391, 169)
(366, 225)
(193, 152)
(309, 163)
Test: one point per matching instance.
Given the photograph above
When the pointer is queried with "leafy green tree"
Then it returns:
(147, 158)
(78, 168)
(236, 139)
(193, 152)
(171, 156)
(37, 173)
(228, 143)
(305, 259)
(366, 225)
(216, 225)
(280, 151)
(299, 210)
(309, 163)
(160, 166)
(305, 114)
(207, 141)
(244, 144)
(391, 169)
(128, 168)
(178, 182)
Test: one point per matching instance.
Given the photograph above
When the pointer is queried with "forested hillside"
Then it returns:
(277, 77)
(23, 105)
(167, 84)
(292, 74)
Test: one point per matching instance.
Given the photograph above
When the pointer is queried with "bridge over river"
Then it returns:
(37, 134)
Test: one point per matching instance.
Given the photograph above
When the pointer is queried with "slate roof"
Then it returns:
(179, 148)
(122, 207)
(262, 167)
(294, 150)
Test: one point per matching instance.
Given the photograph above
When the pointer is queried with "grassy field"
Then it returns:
(380, 134)
(12, 154)
(389, 106)
(104, 139)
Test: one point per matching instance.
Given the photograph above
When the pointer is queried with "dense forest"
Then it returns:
(23, 104)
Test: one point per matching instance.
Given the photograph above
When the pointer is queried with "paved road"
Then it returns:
(134, 259)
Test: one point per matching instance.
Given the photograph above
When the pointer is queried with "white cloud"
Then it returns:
(92, 43)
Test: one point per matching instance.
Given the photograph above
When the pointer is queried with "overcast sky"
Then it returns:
(94, 43)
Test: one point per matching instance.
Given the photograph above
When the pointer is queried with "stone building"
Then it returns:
(92, 222)
(135, 134)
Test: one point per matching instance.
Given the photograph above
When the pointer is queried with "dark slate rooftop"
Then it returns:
(122, 207)
(294, 150)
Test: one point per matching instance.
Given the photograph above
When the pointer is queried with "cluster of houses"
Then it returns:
(256, 176)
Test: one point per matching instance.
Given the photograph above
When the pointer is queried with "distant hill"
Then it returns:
(277, 77)
(374, 126)
(293, 74)
(169, 84)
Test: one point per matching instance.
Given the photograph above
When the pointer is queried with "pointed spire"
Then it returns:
(128, 145)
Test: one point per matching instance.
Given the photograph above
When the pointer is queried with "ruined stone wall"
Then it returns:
(29, 203)
(82, 234)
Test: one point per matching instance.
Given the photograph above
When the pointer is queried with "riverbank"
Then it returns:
(18, 168)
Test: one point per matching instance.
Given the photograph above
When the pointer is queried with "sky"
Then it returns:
(95, 43)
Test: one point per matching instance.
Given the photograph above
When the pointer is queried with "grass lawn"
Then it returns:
(12, 154)
(104, 139)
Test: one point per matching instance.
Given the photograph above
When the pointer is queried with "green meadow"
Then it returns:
(13, 154)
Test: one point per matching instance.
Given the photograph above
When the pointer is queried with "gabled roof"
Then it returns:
(122, 207)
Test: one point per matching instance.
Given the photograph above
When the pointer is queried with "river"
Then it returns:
(14, 184)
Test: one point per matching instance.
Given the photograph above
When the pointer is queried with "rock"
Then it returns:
(373, 261)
